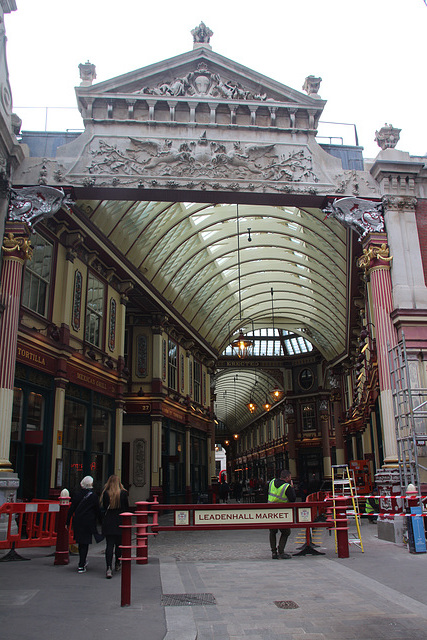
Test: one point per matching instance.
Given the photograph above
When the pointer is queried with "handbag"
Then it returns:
(99, 537)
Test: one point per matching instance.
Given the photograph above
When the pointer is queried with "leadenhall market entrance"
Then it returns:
(224, 277)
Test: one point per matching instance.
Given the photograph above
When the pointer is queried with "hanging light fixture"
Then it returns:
(267, 404)
(242, 346)
(276, 392)
(252, 405)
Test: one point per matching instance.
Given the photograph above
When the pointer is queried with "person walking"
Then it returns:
(224, 489)
(86, 513)
(281, 489)
(114, 500)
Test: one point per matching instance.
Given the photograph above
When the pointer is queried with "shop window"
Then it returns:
(74, 435)
(28, 451)
(35, 418)
(197, 381)
(172, 365)
(198, 464)
(86, 441)
(176, 462)
(18, 402)
(100, 444)
(94, 310)
(36, 285)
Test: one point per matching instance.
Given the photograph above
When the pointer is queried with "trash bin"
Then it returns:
(416, 532)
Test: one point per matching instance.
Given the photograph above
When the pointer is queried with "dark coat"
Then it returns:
(86, 512)
(112, 519)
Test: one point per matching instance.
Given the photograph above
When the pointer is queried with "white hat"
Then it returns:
(87, 482)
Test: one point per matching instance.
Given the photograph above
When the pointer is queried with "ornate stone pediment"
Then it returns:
(200, 73)
(203, 83)
(198, 121)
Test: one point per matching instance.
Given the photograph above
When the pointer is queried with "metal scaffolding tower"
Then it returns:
(410, 415)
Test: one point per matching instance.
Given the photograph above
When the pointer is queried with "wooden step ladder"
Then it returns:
(343, 485)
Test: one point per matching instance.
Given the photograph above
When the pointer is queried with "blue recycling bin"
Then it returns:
(416, 532)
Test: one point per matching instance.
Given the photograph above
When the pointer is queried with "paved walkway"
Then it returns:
(222, 586)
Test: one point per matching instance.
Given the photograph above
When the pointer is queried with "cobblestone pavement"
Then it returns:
(222, 585)
(370, 596)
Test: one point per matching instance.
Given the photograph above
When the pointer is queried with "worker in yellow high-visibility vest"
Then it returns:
(281, 489)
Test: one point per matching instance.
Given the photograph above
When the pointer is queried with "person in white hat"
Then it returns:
(86, 513)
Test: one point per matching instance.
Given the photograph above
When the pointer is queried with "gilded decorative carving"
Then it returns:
(363, 216)
(399, 203)
(374, 256)
(17, 246)
(202, 158)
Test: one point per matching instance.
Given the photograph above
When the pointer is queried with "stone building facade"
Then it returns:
(126, 254)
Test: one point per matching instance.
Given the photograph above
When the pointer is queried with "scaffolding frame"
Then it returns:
(410, 417)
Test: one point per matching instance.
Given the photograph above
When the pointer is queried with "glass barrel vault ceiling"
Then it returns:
(189, 253)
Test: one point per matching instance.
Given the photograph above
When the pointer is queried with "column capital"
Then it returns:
(399, 203)
(376, 254)
(16, 243)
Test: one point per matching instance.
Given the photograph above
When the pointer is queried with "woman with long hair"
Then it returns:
(114, 500)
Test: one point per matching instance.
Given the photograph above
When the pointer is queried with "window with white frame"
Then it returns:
(172, 365)
(94, 310)
(36, 286)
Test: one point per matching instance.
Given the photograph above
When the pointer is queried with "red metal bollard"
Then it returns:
(141, 532)
(341, 526)
(126, 558)
(62, 555)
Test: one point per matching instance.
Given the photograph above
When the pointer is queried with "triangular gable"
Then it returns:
(201, 73)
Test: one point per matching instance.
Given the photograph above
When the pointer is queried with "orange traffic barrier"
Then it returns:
(29, 524)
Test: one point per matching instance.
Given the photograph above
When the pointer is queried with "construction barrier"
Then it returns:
(298, 515)
(28, 524)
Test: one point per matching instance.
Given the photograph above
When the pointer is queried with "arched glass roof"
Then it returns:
(216, 265)
(274, 342)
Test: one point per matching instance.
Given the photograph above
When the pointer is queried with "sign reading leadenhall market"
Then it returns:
(197, 122)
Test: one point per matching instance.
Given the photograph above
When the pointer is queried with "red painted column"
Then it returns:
(376, 262)
(16, 250)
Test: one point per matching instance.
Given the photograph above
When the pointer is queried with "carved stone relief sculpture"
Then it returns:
(202, 82)
(201, 158)
(139, 447)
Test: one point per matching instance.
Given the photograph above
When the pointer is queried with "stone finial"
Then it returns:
(87, 73)
(16, 124)
(387, 137)
(201, 36)
(311, 86)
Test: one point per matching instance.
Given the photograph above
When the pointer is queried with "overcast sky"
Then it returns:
(371, 54)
